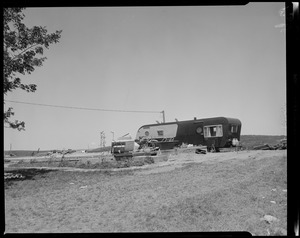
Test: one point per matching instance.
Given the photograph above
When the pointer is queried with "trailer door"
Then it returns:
(196, 134)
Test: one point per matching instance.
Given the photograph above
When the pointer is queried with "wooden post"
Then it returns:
(163, 112)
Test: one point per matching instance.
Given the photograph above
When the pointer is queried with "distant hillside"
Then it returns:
(102, 149)
(249, 141)
(23, 153)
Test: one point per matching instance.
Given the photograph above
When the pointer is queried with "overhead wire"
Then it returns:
(82, 108)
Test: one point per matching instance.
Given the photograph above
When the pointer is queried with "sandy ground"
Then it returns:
(230, 191)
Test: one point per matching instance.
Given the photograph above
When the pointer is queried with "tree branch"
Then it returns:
(24, 51)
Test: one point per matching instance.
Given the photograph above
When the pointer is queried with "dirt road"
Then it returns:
(229, 191)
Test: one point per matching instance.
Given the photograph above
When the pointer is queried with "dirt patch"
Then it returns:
(215, 193)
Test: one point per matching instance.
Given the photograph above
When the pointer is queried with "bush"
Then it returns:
(64, 163)
(80, 165)
(138, 163)
(149, 160)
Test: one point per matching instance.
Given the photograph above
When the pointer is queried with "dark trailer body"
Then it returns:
(217, 132)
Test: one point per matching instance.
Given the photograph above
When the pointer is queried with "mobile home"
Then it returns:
(217, 132)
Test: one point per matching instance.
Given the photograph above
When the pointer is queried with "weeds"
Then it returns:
(32, 161)
(149, 160)
(20, 162)
(103, 164)
(23, 174)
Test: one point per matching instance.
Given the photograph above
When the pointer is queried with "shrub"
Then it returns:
(137, 163)
(149, 160)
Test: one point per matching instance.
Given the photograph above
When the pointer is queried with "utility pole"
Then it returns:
(102, 139)
(164, 120)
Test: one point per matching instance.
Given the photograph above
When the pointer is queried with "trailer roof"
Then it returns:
(204, 120)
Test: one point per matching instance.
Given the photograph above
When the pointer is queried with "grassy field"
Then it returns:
(215, 195)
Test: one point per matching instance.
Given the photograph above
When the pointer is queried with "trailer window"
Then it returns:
(213, 131)
(160, 132)
(234, 128)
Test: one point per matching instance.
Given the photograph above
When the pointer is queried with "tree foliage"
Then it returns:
(22, 53)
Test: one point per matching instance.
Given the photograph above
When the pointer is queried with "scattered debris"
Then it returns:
(262, 147)
(283, 142)
(269, 218)
(12, 176)
(273, 202)
(274, 189)
(282, 145)
(200, 151)
(84, 186)
(126, 149)
(183, 145)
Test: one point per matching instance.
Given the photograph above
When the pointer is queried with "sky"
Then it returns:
(190, 61)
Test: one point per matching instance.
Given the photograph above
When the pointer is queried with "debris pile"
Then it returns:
(201, 150)
(269, 219)
(123, 149)
(282, 145)
(12, 176)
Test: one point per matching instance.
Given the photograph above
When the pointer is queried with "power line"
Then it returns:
(82, 108)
